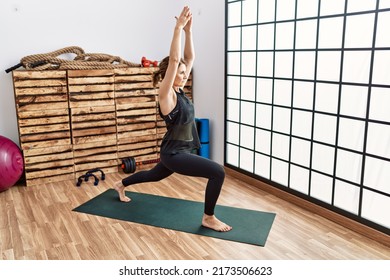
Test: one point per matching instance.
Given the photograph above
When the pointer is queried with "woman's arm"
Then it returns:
(189, 51)
(167, 99)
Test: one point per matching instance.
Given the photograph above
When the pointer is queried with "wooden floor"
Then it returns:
(38, 223)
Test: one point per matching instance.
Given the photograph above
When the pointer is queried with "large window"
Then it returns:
(308, 100)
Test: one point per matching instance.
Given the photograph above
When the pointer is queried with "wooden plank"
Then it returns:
(42, 106)
(130, 86)
(33, 74)
(137, 112)
(92, 110)
(90, 73)
(92, 117)
(95, 158)
(133, 78)
(41, 90)
(90, 80)
(134, 71)
(50, 179)
(48, 165)
(47, 150)
(136, 126)
(138, 133)
(45, 113)
(136, 119)
(101, 164)
(74, 97)
(49, 172)
(48, 157)
(94, 139)
(137, 145)
(90, 88)
(45, 136)
(93, 131)
(94, 151)
(43, 128)
(92, 103)
(103, 143)
(40, 83)
(88, 124)
(135, 93)
(128, 140)
(44, 143)
(20, 101)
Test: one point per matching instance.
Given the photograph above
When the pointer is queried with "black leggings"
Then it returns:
(185, 164)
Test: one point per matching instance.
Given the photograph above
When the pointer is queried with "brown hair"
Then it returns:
(160, 73)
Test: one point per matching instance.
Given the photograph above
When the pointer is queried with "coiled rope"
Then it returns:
(82, 60)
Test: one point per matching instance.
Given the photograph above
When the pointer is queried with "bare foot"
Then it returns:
(215, 224)
(121, 191)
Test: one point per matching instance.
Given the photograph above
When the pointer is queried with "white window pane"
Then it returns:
(279, 172)
(377, 174)
(248, 88)
(321, 187)
(327, 97)
(248, 63)
(379, 104)
(299, 179)
(233, 110)
(249, 11)
(384, 4)
(325, 128)
(234, 14)
(304, 65)
(349, 166)
(323, 158)
(351, 134)
(249, 38)
(378, 140)
(262, 165)
(265, 64)
(234, 39)
(263, 141)
(280, 146)
(359, 5)
(306, 34)
(281, 120)
(233, 63)
(300, 151)
(248, 113)
(246, 160)
(265, 36)
(346, 197)
(285, 9)
(264, 90)
(382, 38)
(233, 86)
(303, 95)
(233, 133)
(266, 10)
(283, 64)
(263, 116)
(307, 8)
(331, 32)
(359, 31)
(332, 7)
(356, 66)
(381, 71)
(232, 155)
(376, 208)
(284, 35)
(282, 92)
(354, 101)
(247, 137)
(301, 123)
(328, 66)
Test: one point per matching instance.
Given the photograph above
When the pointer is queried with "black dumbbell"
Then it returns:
(129, 165)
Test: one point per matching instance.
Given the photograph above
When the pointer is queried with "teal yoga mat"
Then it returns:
(249, 226)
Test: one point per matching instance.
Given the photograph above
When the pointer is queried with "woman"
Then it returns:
(181, 137)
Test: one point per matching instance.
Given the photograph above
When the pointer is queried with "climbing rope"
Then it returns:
(82, 60)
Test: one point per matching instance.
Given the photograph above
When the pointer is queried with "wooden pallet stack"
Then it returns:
(93, 120)
(136, 102)
(43, 117)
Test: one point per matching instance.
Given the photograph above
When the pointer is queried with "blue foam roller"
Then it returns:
(204, 151)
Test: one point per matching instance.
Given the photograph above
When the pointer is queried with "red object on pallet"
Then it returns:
(148, 63)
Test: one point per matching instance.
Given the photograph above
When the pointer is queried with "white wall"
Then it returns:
(127, 28)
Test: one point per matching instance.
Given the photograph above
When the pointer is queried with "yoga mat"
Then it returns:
(249, 226)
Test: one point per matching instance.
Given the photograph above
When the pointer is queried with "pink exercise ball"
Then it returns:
(11, 163)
